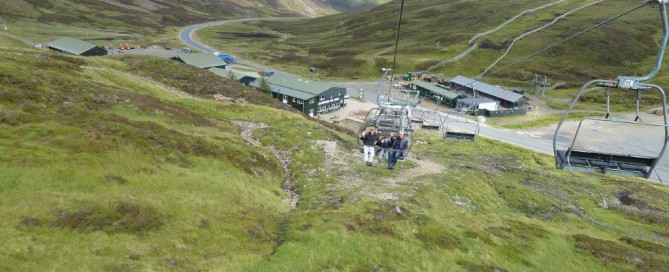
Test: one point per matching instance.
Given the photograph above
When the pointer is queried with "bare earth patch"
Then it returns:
(382, 185)
(247, 129)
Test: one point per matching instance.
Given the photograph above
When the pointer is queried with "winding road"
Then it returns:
(541, 144)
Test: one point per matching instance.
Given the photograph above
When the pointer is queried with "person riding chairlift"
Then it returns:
(397, 150)
(369, 139)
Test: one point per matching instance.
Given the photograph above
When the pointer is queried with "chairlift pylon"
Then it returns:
(577, 159)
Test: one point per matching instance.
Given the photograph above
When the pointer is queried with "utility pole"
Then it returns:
(474, 95)
(543, 93)
(378, 91)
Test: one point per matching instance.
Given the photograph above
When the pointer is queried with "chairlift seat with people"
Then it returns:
(387, 119)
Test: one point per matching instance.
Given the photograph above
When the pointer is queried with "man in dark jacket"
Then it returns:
(369, 139)
(397, 150)
(385, 144)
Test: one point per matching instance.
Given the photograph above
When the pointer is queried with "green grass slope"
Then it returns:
(153, 14)
(136, 164)
(137, 22)
(357, 45)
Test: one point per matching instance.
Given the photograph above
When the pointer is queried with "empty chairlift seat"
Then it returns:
(588, 161)
(611, 162)
(460, 128)
(452, 135)
(431, 120)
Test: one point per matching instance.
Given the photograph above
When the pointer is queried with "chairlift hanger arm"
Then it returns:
(574, 101)
(630, 82)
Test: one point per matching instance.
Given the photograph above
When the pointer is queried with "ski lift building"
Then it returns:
(76, 47)
(309, 96)
(201, 60)
(506, 98)
(433, 91)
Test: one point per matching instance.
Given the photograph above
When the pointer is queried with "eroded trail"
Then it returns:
(356, 181)
(246, 131)
(424, 168)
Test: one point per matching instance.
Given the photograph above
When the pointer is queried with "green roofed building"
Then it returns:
(201, 60)
(76, 47)
(310, 96)
(433, 91)
(245, 77)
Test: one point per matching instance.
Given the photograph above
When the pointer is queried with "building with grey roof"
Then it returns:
(76, 47)
(506, 98)
(434, 92)
(201, 60)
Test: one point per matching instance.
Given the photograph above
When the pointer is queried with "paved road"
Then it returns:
(186, 35)
(541, 144)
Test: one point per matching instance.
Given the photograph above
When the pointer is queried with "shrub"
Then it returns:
(122, 217)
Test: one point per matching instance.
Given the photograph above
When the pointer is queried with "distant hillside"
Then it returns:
(154, 14)
(357, 45)
(158, 14)
(348, 5)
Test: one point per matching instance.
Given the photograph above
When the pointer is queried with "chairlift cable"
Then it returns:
(567, 39)
(397, 40)
(478, 78)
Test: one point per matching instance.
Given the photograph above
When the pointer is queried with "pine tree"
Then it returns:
(264, 86)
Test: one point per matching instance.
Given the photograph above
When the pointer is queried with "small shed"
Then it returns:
(480, 103)
(201, 60)
(76, 47)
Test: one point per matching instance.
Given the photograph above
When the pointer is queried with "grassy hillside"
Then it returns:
(141, 22)
(357, 45)
(153, 14)
(136, 164)
(348, 5)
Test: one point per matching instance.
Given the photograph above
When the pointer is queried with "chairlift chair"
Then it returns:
(389, 118)
(431, 120)
(454, 126)
(578, 159)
